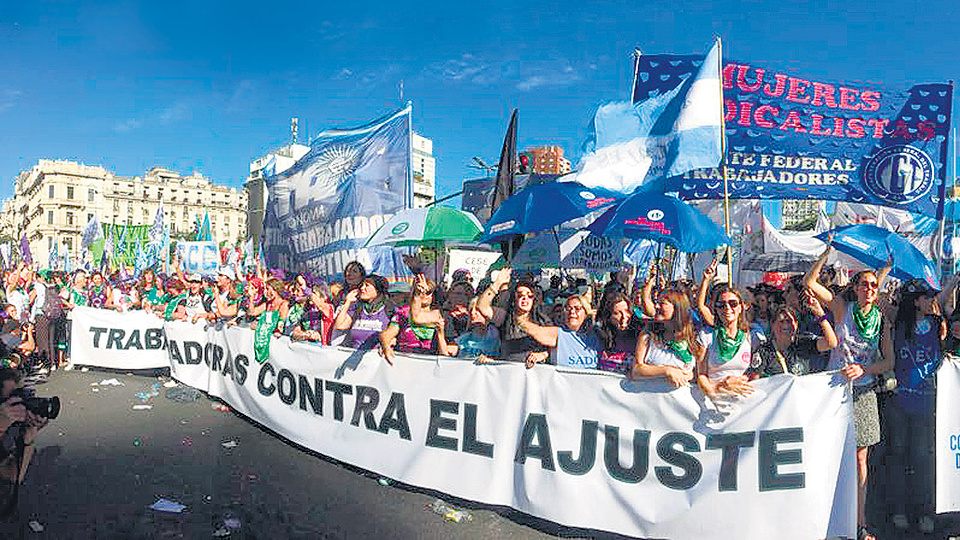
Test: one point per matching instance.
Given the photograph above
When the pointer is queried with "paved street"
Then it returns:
(101, 464)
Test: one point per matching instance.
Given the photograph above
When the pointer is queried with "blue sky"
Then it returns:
(209, 86)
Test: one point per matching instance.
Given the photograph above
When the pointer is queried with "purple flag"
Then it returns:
(25, 255)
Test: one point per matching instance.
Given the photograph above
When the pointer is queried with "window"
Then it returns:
(51, 191)
(70, 218)
(89, 217)
(91, 194)
(68, 244)
(49, 217)
(70, 192)
(49, 243)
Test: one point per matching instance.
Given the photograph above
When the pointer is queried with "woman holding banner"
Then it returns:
(669, 347)
(721, 370)
(524, 332)
(618, 329)
(727, 342)
(363, 314)
(858, 324)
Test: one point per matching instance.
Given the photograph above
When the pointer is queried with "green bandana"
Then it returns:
(726, 346)
(78, 298)
(264, 332)
(172, 306)
(422, 332)
(373, 306)
(680, 349)
(868, 326)
(293, 316)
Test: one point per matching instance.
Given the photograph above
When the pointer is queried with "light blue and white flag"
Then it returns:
(662, 136)
(91, 233)
(320, 211)
(53, 260)
(156, 230)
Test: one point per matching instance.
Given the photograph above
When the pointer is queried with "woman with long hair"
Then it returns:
(618, 330)
(859, 323)
(272, 317)
(415, 327)
(914, 342)
(364, 313)
(727, 347)
(525, 334)
(668, 347)
(353, 275)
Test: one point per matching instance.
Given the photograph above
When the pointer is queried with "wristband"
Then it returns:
(822, 318)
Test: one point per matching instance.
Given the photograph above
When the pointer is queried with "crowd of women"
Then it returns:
(709, 335)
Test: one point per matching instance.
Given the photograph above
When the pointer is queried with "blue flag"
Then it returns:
(205, 235)
(794, 137)
(665, 134)
(321, 210)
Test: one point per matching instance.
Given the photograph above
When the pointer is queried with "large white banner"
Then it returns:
(110, 339)
(583, 449)
(947, 446)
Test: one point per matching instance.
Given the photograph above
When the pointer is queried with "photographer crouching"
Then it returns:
(22, 416)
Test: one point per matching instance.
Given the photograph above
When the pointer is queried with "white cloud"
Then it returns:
(8, 99)
(175, 113)
(472, 69)
(127, 125)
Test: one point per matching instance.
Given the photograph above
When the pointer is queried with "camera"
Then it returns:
(44, 407)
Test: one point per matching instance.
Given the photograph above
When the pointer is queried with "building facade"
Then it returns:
(797, 212)
(55, 199)
(424, 168)
(548, 160)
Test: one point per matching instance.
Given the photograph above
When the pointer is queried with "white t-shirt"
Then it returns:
(736, 365)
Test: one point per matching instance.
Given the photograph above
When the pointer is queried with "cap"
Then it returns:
(194, 277)
(228, 272)
(918, 286)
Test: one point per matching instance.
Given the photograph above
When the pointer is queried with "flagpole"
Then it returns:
(723, 166)
(943, 200)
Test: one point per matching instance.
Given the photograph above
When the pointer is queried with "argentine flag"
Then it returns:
(665, 135)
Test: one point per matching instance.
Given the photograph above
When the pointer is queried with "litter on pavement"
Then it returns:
(166, 505)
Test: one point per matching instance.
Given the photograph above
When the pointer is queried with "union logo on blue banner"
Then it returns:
(899, 174)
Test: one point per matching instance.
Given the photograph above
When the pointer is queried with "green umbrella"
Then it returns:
(430, 226)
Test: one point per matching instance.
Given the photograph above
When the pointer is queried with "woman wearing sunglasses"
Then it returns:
(669, 347)
(727, 346)
(415, 327)
(525, 334)
(859, 323)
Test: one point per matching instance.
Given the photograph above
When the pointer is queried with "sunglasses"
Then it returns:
(732, 304)
(869, 284)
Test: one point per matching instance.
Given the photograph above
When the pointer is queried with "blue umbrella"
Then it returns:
(543, 206)
(663, 219)
(873, 246)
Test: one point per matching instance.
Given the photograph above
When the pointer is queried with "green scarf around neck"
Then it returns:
(726, 346)
(868, 325)
(682, 351)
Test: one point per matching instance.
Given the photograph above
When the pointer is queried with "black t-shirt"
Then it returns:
(766, 360)
(515, 343)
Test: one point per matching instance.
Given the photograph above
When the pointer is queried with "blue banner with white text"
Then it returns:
(796, 138)
(321, 211)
